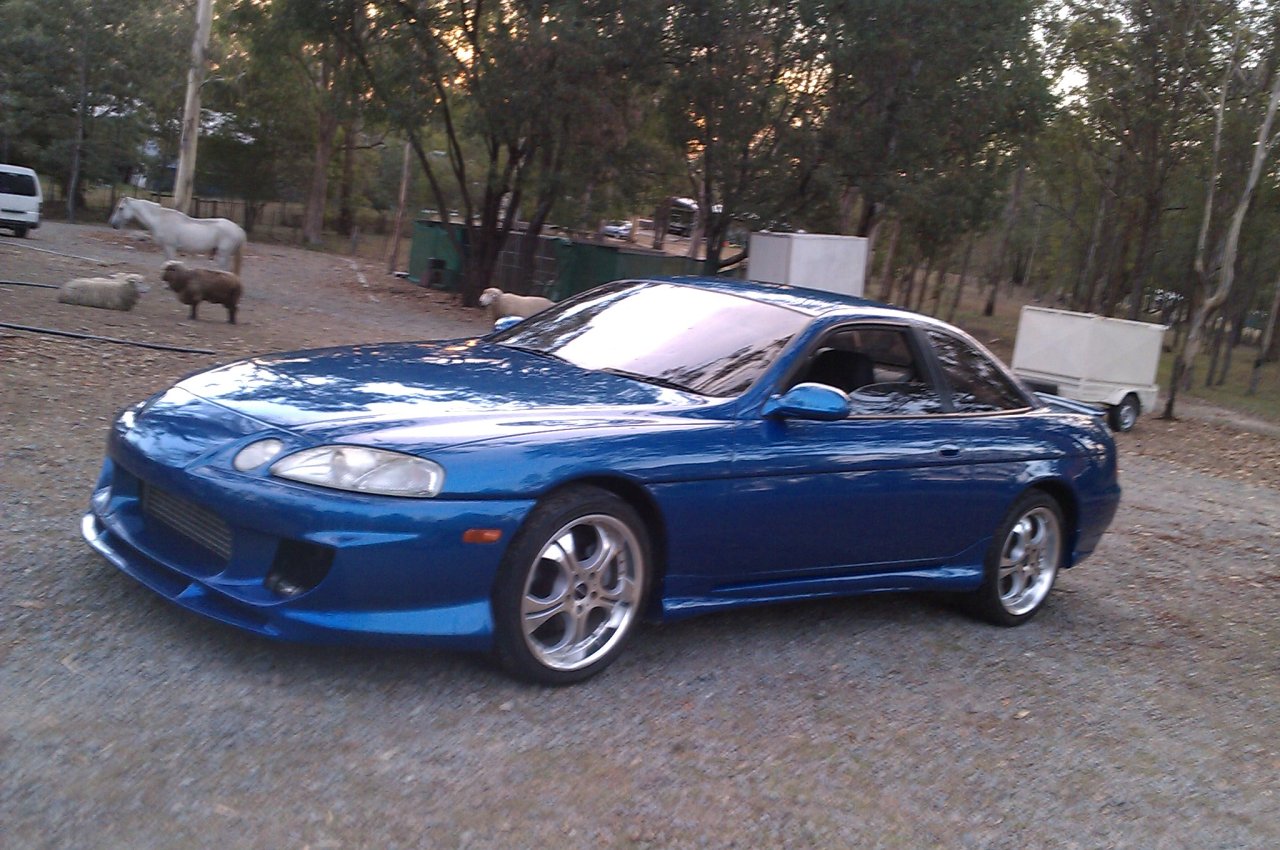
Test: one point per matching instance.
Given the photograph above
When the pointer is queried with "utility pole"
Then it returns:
(182, 187)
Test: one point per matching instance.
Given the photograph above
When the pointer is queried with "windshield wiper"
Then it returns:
(652, 379)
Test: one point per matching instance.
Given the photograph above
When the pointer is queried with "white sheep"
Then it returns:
(508, 304)
(118, 292)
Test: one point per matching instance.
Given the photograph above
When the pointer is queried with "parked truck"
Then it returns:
(1090, 358)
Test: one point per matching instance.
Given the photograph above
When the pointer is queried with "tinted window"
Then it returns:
(977, 384)
(877, 368)
(17, 184)
(712, 343)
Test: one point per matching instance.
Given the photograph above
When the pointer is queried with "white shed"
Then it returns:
(815, 260)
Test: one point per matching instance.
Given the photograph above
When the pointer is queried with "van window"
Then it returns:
(17, 184)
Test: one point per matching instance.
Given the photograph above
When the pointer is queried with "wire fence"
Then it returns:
(265, 221)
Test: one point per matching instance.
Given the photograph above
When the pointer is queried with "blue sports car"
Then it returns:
(652, 448)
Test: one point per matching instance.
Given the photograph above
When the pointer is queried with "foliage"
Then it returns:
(83, 82)
(922, 91)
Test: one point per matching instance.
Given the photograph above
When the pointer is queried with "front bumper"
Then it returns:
(16, 219)
(399, 572)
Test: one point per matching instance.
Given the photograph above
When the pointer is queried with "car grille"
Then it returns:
(199, 524)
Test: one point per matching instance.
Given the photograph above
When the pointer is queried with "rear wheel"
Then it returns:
(1123, 416)
(20, 232)
(571, 586)
(1022, 562)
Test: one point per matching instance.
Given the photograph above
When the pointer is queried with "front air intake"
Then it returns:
(298, 567)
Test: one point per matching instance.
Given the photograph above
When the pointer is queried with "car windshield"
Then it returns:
(709, 342)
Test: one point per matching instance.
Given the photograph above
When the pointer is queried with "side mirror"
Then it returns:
(505, 322)
(809, 401)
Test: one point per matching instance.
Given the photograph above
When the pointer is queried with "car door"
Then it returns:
(1004, 441)
(886, 489)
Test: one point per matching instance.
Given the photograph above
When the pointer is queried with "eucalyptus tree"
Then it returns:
(1249, 87)
(83, 83)
(307, 47)
(1139, 67)
(740, 96)
(919, 88)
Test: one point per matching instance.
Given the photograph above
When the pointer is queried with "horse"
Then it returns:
(220, 238)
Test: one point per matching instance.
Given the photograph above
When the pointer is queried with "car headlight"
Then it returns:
(256, 454)
(363, 470)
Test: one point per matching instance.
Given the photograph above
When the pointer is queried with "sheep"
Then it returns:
(118, 292)
(196, 285)
(507, 304)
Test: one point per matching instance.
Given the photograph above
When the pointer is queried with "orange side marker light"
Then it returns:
(482, 535)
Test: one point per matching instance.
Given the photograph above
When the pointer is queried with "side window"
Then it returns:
(877, 368)
(978, 385)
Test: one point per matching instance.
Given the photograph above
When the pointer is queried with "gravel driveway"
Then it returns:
(1139, 710)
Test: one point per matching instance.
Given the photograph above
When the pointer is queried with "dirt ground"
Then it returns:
(1139, 709)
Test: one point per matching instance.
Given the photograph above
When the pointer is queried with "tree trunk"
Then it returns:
(1215, 350)
(393, 252)
(1209, 300)
(1142, 256)
(909, 281)
(1231, 341)
(346, 214)
(1264, 347)
(924, 284)
(185, 180)
(964, 273)
(318, 193)
(1011, 215)
(1091, 253)
(661, 221)
(82, 111)
(886, 272)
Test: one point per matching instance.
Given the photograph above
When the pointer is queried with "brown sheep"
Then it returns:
(196, 285)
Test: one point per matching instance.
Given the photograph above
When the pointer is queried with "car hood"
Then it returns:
(408, 395)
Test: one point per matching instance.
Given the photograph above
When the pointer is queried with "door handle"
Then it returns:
(949, 450)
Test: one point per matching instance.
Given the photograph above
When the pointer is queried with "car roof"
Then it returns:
(812, 302)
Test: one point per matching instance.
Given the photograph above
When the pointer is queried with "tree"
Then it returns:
(517, 94)
(83, 83)
(918, 88)
(741, 92)
(1216, 258)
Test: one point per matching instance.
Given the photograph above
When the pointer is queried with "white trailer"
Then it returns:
(1090, 358)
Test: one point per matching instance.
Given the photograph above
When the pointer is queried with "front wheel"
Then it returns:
(570, 588)
(1022, 562)
(1123, 416)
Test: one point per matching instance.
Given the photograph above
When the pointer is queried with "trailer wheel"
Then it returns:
(1123, 416)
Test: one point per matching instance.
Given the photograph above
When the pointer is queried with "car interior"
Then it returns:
(875, 367)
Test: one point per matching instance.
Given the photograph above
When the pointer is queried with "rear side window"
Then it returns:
(17, 184)
(978, 385)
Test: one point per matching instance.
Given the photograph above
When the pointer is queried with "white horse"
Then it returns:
(220, 238)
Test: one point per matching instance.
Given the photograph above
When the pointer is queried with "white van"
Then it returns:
(20, 199)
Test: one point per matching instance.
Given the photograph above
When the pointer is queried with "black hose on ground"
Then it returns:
(28, 283)
(93, 338)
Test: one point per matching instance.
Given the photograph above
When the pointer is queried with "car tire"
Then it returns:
(571, 587)
(20, 232)
(1022, 562)
(1123, 416)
